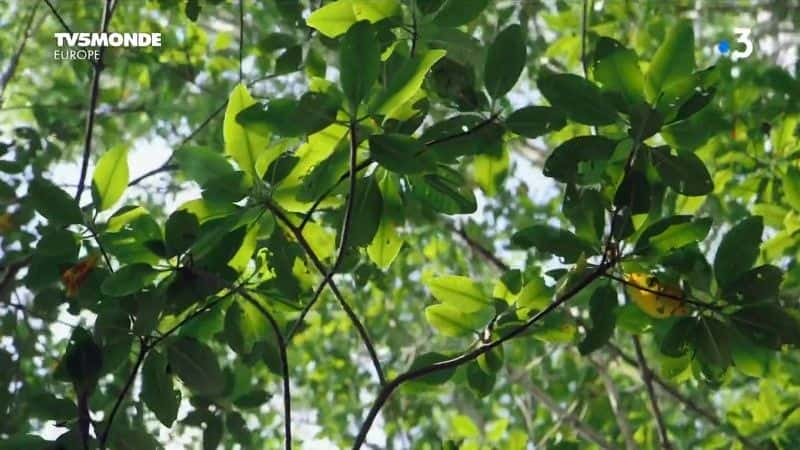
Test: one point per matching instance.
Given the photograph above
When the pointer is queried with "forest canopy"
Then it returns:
(400, 224)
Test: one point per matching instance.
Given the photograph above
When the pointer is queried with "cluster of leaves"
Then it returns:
(328, 191)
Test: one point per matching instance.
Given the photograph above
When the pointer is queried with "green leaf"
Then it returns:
(535, 295)
(556, 328)
(53, 203)
(387, 242)
(181, 231)
(335, 18)
(738, 250)
(505, 61)
(444, 192)
(602, 311)
(575, 160)
(673, 61)
(767, 326)
(128, 280)
(359, 63)
(405, 84)
(243, 145)
(633, 193)
(196, 365)
(535, 121)
(460, 292)
(712, 339)
(554, 241)
(399, 153)
(480, 382)
(678, 340)
(756, 285)
(82, 362)
(463, 135)
(489, 171)
(451, 320)
(791, 187)
(428, 359)
(288, 117)
(684, 172)
(158, 392)
(244, 325)
(491, 361)
(579, 98)
(366, 215)
(672, 233)
(454, 13)
(749, 358)
(110, 177)
(201, 164)
(616, 68)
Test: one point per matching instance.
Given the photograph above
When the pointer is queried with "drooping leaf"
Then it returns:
(602, 310)
(359, 63)
(684, 172)
(181, 231)
(366, 215)
(196, 365)
(243, 145)
(579, 98)
(110, 177)
(738, 250)
(478, 380)
(158, 392)
(387, 242)
(712, 339)
(505, 61)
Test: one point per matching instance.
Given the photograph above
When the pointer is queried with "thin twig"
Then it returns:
(94, 92)
(143, 350)
(241, 39)
(13, 62)
(647, 378)
(58, 16)
(581, 428)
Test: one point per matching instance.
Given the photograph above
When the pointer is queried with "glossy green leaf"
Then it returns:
(579, 98)
(429, 359)
(535, 121)
(602, 309)
(128, 280)
(201, 164)
(616, 68)
(480, 382)
(181, 231)
(110, 177)
(738, 250)
(684, 172)
(399, 153)
(452, 320)
(359, 59)
(673, 61)
(366, 215)
(458, 291)
(53, 203)
(336, 17)
(406, 83)
(444, 192)
(454, 13)
(791, 187)
(158, 392)
(575, 160)
(672, 233)
(242, 145)
(505, 61)
(554, 241)
(196, 365)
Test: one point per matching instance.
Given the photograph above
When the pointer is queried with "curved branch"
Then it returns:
(647, 378)
(410, 375)
(143, 350)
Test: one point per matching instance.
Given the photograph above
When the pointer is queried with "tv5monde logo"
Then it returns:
(743, 45)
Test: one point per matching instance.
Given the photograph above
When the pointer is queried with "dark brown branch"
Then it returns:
(58, 16)
(287, 395)
(680, 298)
(94, 94)
(647, 378)
(143, 350)
(328, 279)
(410, 375)
(13, 62)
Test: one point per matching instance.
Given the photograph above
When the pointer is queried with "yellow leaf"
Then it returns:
(652, 304)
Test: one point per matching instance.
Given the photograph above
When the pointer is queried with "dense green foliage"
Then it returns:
(458, 224)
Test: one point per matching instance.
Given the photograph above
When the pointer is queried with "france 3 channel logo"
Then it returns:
(742, 48)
